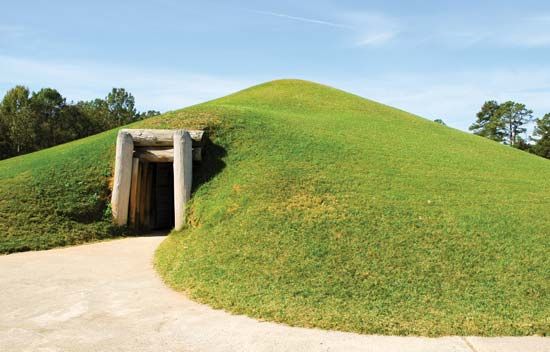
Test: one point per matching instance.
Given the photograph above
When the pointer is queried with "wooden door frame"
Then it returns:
(174, 146)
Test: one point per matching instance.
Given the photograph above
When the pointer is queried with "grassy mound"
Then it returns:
(57, 196)
(315, 207)
(337, 212)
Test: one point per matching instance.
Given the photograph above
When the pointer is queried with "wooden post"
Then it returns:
(183, 176)
(148, 196)
(123, 178)
(134, 190)
(142, 196)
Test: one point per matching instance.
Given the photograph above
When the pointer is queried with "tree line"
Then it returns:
(30, 121)
(507, 123)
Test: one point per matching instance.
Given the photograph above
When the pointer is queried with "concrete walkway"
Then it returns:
(107, 297)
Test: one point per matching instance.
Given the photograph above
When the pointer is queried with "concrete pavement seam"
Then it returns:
(468, 343)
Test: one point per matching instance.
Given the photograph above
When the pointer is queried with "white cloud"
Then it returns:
(368, 29)
(302, 19)
(372, 29)
(380, 38)
(153, 89)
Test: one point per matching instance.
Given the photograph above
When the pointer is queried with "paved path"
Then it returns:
(107, 297)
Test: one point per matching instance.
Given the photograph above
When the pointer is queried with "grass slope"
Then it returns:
(330, 211)
(56, 196)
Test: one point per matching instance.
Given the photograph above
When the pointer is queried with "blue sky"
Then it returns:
(437, 59)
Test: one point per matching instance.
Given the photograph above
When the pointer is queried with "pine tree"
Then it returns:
(503, 122)
(514, 116)
(489, 123)
(541, 135)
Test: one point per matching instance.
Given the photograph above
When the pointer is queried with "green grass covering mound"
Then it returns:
(57, 196)
(315, 207)
(337, 212)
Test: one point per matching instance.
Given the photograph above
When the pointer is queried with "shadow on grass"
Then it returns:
(211, 165)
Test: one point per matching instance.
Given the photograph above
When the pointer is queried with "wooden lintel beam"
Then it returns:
(155, 155)
(162, 155)
(160, 138)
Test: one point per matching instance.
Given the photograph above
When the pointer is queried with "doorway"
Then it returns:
(153, 176)
(162, 199)
(152, 198)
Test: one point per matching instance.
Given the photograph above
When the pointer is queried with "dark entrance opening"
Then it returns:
(162, 196)
(152, 199)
